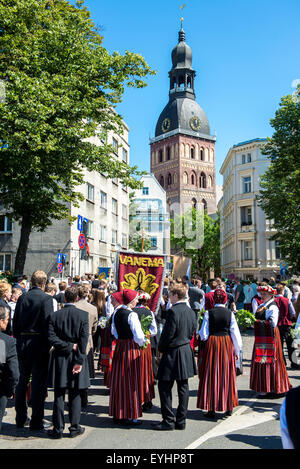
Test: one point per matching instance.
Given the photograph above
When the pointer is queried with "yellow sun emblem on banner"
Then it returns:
(140, 281)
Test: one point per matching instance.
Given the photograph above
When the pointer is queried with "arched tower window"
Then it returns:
(204, 204)
(194, 203)
(168, 153)
(192, 153)
(201, 154)
(185, 178)
(169, 179)
(209, 182)
(193, 179)
(202, 181)
(161, 181)
(160, 156)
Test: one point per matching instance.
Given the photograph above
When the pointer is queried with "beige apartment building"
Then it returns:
(105, 208)
(247, 250)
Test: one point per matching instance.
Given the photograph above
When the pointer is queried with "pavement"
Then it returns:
(254, 424)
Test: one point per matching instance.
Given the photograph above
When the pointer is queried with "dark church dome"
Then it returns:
(182, 112)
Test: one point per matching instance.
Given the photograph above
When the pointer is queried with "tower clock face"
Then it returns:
(166, 124)
(195, 123)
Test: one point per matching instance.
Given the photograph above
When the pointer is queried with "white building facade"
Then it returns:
(246, 248)
(106, 209)
(151, 214)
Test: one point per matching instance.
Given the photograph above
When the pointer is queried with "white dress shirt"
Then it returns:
(234, 331)
(285, 435)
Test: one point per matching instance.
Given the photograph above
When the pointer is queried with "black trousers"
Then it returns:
(3, 403)
(58, 416)
(285, 336)
(165, 394)
(34, 366)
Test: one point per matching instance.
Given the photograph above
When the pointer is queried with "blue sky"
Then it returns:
(245, 53)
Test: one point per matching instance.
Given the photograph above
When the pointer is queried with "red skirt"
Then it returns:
(217, 375)
(126, 390)
(147, 375)
(270, 377)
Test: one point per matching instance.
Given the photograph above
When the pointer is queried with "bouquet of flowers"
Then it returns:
(201, 317)
(103, 322)
(145, 323)
(244, 318)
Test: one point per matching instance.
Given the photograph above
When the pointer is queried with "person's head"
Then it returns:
(143, 298)
(62, 286)
(51, 289)
(39, 279)
(77, 278)
(15, 293)
(220, 296)
(83, 292)
(280, 289)
(212, 284)
(166, 281)
(237, 280)
(177, 293)
(71, 295)
(4, 317)
(266, 292)
(5, 290)
(125, 297)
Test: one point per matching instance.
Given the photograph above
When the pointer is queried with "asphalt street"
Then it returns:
(253, 425)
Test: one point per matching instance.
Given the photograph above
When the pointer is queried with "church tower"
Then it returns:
(183, 149)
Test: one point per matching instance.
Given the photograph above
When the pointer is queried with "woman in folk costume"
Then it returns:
(217, 390)
(126, 387)
(268, 375)
(148, 378)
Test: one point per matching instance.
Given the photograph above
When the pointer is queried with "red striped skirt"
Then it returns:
(147, 375)
(217, 375)
(126, 393)
(270, 377)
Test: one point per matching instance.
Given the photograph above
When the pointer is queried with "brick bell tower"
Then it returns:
(183, 150)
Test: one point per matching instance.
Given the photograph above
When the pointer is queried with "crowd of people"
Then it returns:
(57, 336)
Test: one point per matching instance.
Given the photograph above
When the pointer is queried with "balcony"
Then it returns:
(247, 226)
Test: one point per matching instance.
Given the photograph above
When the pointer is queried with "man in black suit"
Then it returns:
(177, 362)
(30, 327)
(9, 366)
(68, 334)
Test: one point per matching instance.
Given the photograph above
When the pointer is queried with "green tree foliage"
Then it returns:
(280, 195)
(60, 84)
(197, 235)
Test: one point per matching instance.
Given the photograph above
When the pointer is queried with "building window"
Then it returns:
(185, 178)
(103, 199)
(246, 216)
(160, 156)
(103, 233)
(277, 250)
(202, 154)
(5, 262)
(169, 179)
(192, 153)
(168, 153)
(161, 181)
(153, 242)
(125, 155)
(192, 179)
(90, 228)
(114, 206)
(249, 158)
(5, 224)
(204, 204)
(246, 184)
(243, 159)
(124, 240)
(247, 255)
(115, 145)
(114, 236)
(124, 211)
(202, 181)
(90, 192)
(145, 190)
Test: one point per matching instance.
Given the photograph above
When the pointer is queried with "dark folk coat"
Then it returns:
(68, 326)
(177, 362)
(9, 365)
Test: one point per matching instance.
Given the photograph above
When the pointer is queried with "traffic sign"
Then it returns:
(59, 257)
(81, 240)
(60, 267)
(79, 222)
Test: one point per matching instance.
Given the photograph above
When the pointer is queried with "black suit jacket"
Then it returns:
(30, 323)
(9, 365)
(178, 360)
(68, 326)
